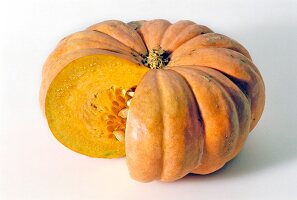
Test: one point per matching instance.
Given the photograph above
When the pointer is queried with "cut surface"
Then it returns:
(86, 103)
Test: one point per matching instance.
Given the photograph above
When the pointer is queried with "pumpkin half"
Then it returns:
(174, 98)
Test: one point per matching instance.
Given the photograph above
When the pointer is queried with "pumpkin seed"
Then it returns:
(131, 94)
(123, 113)
(120, 135)
(129, 102)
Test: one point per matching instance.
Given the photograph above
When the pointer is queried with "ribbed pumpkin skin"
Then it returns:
(193, 115)
(229, 94)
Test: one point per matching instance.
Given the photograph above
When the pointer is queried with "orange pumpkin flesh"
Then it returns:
(197, 97)
(84, 100)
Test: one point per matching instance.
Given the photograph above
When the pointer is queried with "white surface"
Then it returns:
(33, 165)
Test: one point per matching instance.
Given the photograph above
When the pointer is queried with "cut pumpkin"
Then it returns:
(84, 103)
(174, 98)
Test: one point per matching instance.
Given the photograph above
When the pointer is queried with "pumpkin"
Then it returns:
(174, 98)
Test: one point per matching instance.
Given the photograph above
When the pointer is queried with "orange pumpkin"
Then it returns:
(175, 98)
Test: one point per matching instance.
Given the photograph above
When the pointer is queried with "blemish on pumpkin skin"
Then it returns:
(192, 52)
(207, 78)
(241, 60)
(133, 53)
(213, 39)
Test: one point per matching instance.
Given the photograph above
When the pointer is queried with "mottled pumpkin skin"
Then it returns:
(191, 116)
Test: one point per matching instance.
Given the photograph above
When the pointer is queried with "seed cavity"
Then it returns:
(106, 112)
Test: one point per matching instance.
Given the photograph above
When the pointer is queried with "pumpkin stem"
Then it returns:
(156, 59)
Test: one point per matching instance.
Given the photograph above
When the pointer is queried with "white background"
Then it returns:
(33, 165)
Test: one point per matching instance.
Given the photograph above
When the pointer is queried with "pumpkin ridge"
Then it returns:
(210, 158)
(164, 34)
(243, 111)
(185, 168)
(212, 42)
(191, 89)
(244, 60)
(136, 24)
(147, 130)
(230, 62)
(118, 29)
(132, 53)
(120, 51)
(141, 35)
(76, 41)
(200, 117)
(236, 133)
(242, 85)
(152, 32)
(182, 24)
(183, 36)
(218, 82)
(222, 87)
(162, 117)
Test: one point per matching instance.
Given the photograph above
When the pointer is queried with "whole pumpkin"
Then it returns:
(175, 98)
